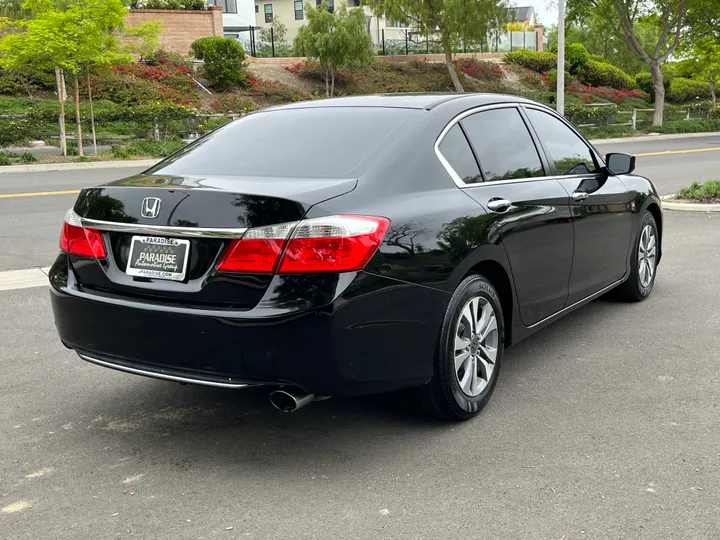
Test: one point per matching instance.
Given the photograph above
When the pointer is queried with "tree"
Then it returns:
(702, 44)
(68, 36)
(669, 17)
(707, 59)
(601, 37)
(336, 39)
(457, 21)
(277, 35)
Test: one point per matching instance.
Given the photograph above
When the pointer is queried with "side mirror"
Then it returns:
(618, 163)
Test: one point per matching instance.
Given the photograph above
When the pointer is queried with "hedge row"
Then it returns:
(579, 63)
(541, 62)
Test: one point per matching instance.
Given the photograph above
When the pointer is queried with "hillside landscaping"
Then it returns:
(149, 107)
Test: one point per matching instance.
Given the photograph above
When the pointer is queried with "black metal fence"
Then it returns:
(265, 43)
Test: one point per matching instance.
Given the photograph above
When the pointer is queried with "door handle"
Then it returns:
(579, 196)
(499, 205)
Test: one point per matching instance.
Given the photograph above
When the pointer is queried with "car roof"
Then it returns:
(404, 100)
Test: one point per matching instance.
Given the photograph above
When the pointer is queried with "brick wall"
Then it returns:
(180, 28)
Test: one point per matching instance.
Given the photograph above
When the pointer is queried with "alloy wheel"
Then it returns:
(647, 251)
(476, 344)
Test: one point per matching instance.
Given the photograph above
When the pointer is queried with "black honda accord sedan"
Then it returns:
(352, 246)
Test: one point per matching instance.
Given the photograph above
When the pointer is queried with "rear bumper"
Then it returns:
(372, 335)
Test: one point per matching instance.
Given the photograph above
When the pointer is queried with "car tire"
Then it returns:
(643, 264)
(469, 352)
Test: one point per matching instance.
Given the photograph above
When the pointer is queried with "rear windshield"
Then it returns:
(323, 142)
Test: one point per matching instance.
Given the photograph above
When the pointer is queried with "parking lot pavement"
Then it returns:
(602, 426)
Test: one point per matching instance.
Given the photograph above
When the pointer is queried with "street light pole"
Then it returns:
(560, 101)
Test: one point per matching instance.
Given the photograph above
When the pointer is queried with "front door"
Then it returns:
(530, 211)
(600, 205)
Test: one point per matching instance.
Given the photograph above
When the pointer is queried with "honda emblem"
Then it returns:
(150, 207)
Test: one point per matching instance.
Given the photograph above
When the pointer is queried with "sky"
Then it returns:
(546, 10)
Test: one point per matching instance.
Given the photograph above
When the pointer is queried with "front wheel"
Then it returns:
(470, 351)
(643, 267)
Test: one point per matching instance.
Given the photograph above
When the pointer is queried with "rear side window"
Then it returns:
(320, 142)
(567, 151)
(503, 145)
(457, 152)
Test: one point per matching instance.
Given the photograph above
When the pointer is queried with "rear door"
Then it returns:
(600, 205)
(529, 210)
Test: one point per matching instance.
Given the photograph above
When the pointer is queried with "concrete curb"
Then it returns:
(651, 138)
(668, 204)
(130, 164)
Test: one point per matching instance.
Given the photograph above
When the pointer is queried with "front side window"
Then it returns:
(298, 10)
(457, 152)
(566, 150)
(268, 13)
(503, 145)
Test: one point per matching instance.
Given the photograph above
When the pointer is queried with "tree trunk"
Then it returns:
(92, 115)
(659, 87)
(451, 69)
(327, 82)
(332, 80)
(77, 116)
(59, 81)
(712, 91)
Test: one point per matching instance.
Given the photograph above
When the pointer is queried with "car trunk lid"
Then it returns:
(199, 216)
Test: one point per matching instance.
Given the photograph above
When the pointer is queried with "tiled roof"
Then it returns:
(523, 14)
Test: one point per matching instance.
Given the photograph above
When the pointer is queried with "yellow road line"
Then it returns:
(38, 194)
(668, 152)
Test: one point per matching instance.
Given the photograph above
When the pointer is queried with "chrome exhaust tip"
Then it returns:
(290, 400)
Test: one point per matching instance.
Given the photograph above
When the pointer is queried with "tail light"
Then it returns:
(330, 244)
(78, 240)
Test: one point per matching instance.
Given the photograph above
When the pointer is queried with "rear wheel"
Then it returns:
(470, 351)
(644, 262)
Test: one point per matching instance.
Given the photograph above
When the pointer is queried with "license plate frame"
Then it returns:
(165, 258)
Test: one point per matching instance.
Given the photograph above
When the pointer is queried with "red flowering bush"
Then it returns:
(275, 92)
(232, 103)
(477, 69)
(301, 67)
(131, 84)
(604, 92)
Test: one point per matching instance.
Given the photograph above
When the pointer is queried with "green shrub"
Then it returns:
(577, 56)
(5, 159)
(552, 77)
(540, 62)
(189, 5)
(603, 74)
(157, 149)
(686, 126)
(714, 112)
(27, 157)
(597, 58)
(15, 131)
(607, 132)
(162, 57)
(682, 90)
(708, 191)
(224, 60)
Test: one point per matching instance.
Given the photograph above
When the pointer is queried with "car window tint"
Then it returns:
(315, 142)
(503, 145)
(456, 150)
(569, 153)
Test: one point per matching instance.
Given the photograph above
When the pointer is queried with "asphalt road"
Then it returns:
(604, 425)
(29, 226)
